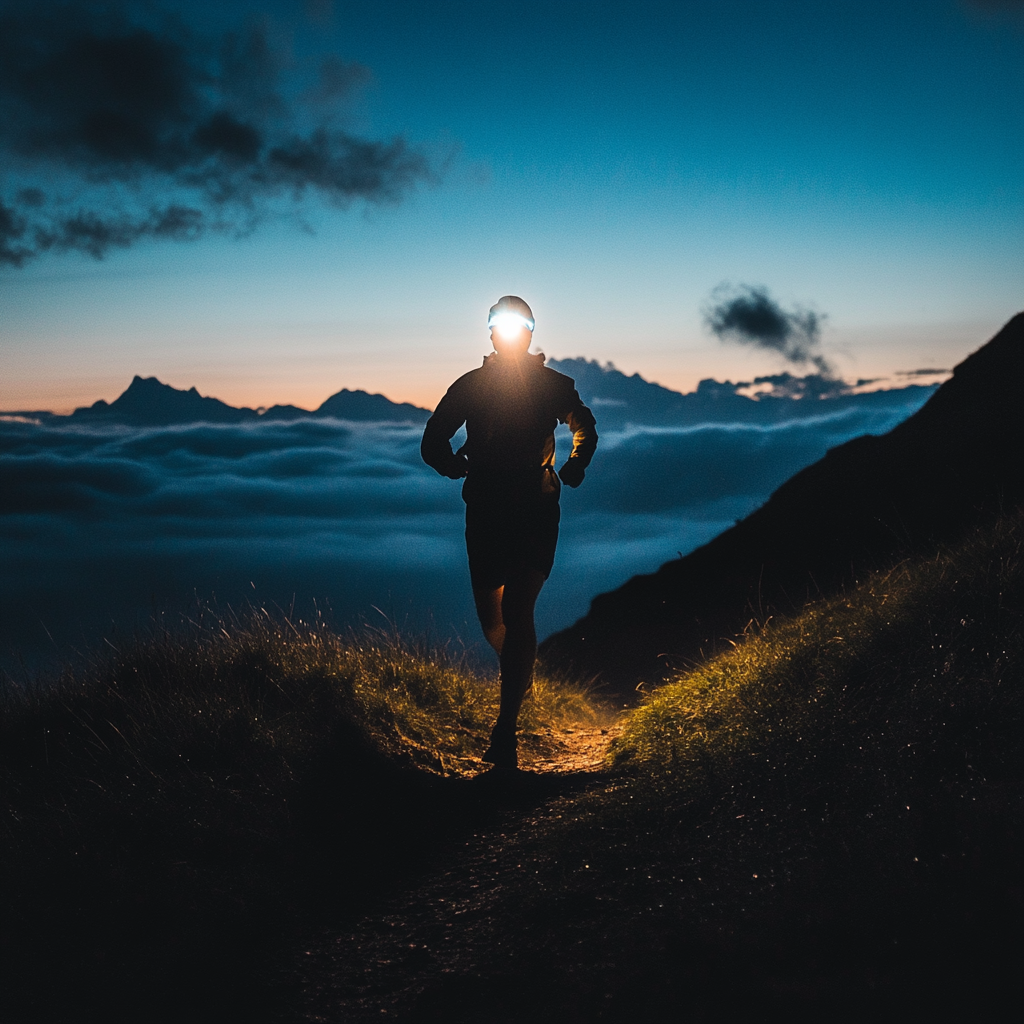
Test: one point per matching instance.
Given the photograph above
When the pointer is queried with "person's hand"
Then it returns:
(458, 468)
(572, 473)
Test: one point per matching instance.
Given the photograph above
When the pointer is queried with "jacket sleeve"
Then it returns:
(435, 448)
(581, 422)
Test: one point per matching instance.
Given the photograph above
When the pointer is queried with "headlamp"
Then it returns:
(509, 324)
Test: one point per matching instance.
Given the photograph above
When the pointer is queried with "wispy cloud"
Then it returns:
(117, 124)
(749, 315)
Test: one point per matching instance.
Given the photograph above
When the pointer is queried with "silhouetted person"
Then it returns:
(510, 406)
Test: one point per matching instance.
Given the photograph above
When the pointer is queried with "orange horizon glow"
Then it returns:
(63, 398)
(62, 401)
(50, 373)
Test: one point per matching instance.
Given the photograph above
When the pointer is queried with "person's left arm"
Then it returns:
(581, 422)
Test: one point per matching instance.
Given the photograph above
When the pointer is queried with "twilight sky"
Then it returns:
(612, 163)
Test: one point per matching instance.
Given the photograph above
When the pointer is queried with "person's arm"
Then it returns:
(581, 422)
(441, 427)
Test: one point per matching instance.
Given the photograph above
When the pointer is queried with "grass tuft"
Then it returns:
(903, 664)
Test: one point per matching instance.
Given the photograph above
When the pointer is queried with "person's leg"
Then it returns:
(519, 649)
(519, 544)
(488, 611)
(486, 544)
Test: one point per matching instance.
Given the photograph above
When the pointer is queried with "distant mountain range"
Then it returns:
(953, 464)
(618, 400)
(149, 403)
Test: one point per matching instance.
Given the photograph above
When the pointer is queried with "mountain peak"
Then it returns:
(146, 383)
(149, 402)
(360, 405)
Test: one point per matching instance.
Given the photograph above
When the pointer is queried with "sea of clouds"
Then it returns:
(106, 528)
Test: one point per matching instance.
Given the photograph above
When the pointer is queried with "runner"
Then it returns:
(510, 407)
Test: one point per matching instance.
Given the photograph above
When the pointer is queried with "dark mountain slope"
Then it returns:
(954, 463)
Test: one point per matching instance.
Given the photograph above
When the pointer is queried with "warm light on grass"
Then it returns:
(264, 693)
(890, 657)
(436, 712)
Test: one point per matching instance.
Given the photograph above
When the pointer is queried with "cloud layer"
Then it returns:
(117, 125)
(101, 527)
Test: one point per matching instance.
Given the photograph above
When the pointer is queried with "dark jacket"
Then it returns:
(511, 408)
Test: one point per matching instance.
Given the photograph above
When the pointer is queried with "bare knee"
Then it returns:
(489, 612)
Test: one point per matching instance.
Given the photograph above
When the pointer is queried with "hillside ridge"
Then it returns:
(953, 464)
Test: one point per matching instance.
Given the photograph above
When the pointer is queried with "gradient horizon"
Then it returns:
(610, 166)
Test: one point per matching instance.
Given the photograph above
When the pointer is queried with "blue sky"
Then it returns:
(611, 163)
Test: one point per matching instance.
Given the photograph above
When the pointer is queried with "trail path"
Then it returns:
(567, 751)
(399, 961)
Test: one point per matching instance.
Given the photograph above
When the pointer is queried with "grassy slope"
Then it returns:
(827, 820)
(953, 463)
(170, 808)
(825, 823)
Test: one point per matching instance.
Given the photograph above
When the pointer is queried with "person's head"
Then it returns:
(511, 323)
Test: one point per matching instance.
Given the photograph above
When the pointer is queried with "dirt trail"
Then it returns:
(582, 749)
(394, 961)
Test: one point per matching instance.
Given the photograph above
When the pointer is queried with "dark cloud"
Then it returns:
(320, 12)
(106, 523)
(118, 125)
(924, 372)
(90, 232)
(751, 316)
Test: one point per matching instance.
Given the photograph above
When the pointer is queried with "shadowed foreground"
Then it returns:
(825, 823)
(173, 809)
(259, 820)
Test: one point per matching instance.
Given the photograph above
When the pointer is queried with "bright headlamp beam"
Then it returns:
(509, 324)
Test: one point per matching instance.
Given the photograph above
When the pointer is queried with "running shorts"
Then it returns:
(504, 537)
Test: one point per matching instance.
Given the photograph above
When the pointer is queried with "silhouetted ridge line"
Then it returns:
(953, 464)
(619, 399)
(359, 405)
(148, 402)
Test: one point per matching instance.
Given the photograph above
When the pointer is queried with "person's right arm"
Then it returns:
(435, 448)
